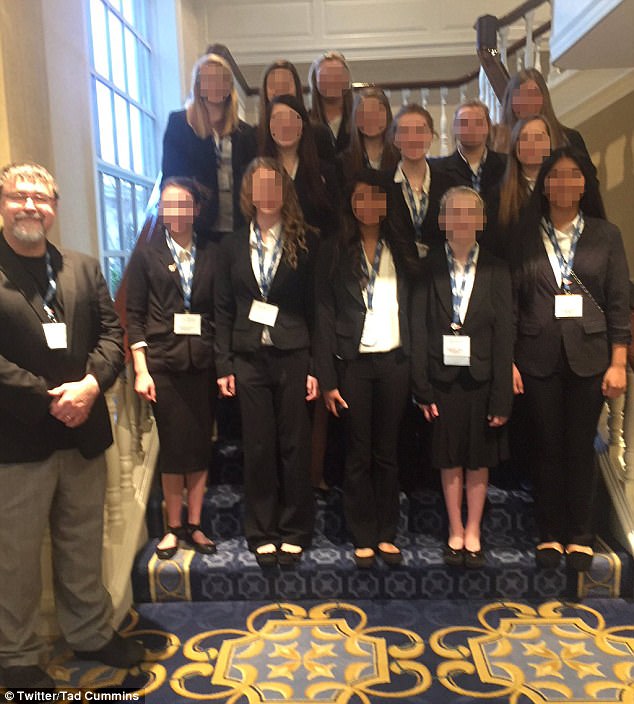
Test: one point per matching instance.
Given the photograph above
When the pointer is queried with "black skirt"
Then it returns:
(461, 433)
(183, 414)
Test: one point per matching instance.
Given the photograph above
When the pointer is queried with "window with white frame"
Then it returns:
(125, 127)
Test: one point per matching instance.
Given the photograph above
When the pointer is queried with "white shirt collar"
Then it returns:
(276, 231)
(466, 161)
(399, 176)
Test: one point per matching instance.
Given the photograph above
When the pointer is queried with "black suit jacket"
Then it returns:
(185, 154)
(399, 215)
(236, 288)
(456, 167)
(326, 220)
(341, 310)
(28, 368)
(601, 266)
(154, 294)
(489, 324)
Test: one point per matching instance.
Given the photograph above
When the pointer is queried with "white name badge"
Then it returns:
(187, 323)
(263, 313)
(569, 305)
(422, 250)
(370, 334)
(456, 350)
(55, 334)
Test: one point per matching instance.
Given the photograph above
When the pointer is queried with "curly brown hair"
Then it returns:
(294, 228)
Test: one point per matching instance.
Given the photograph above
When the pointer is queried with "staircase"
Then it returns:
(327, 570)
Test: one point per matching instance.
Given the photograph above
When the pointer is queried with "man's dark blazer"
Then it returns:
(456, 167)
(601, 266)
(185, 154)
(399, 215)
(236, 289)
(488, 322)
(28, 368)
(341, 310)
(155, 294)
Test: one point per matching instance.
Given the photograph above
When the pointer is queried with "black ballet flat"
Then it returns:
(202, 548)
(474, 559)
(392, 559)
(286, 558)
(168, 553)
(364, 563)
(579, 561)
(266, 559)
(453, 557)
(548, 557)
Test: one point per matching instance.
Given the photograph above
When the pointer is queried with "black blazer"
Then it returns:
(399, 215)
(456, 167)
(326, 220)
(236, 288)
(489, 324)
(601, 266)
(154, 294)
(341, 310)
(185, 154)
(28, 368)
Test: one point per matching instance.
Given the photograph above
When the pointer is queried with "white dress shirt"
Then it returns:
(459, 268)
(384, 305)
(399, 177)
(224, 222)
(564, 240)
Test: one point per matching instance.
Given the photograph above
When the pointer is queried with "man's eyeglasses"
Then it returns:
(38, 199)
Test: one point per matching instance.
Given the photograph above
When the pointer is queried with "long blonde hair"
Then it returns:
(293, 225)
(197, 115)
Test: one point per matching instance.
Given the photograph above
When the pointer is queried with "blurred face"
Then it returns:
(215, 83)
(462, 220)
(286, 126)
(471, 127)
(267, 191)
(565, 184)
(527, 100)
(332, 78)
(413, 136)
(369, 204)
(371, 117)
(279, 82)
(28, 210)
(177, 209)
(533, 145)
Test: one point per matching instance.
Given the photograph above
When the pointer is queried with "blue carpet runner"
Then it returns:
(374, 652)
(327, 570)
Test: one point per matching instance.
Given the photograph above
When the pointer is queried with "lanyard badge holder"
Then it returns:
(54, 331)
(418, 216)
(567, 305)
(457, 348)
(370, 334)
(186, 323)
(261, 311)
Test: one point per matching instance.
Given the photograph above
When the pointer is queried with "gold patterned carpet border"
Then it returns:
(332, 653)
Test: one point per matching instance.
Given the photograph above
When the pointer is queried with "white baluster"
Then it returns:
(538, 54)
(529, 18)
(405, 93)
(628, 429)
(482, 86)
(463, 93)
(424, 98)
(616, 441)
(114, 514)
(444, 136)
(503, 34)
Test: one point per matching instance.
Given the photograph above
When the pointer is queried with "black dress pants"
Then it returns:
(271, 389)
(375, 387)
(563, 411)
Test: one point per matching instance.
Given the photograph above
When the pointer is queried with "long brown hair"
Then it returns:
(354, 156)
(317, 111)
(510, 119)
(264, 101)
(514, 190)
(293, 226)
(195, 105)
(416, 109)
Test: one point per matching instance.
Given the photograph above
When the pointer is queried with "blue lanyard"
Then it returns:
(371, 275)
(266, 278)
(51, 291)
(418, 215)
(476, 178)
(186, 281)
(457, 294)
(565, 266)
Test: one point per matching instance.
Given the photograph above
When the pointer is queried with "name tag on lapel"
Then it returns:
(187, 324)
(263, 313)
(456, 350)
(55, 334)
(569, 305)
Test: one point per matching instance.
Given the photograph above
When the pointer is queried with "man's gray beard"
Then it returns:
(29, 234)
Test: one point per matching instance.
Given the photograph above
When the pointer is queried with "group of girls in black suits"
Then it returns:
(370, 277)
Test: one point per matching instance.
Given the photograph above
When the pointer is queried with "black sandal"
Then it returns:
(202, 548)
(168, 553)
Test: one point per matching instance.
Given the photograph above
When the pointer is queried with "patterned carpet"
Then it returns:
(374, 652)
